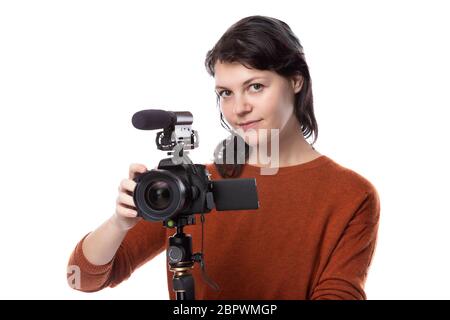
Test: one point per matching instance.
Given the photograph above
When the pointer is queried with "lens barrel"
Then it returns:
(159, 195)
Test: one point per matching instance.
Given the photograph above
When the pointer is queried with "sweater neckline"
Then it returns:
(319, 161)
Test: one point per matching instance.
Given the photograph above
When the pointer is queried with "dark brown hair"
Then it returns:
(262, 43)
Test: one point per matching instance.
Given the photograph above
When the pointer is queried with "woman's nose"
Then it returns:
(241, 106)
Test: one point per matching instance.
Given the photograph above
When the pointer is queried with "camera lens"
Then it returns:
(158, 195)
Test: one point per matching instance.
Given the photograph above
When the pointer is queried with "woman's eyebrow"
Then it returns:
(243, 83)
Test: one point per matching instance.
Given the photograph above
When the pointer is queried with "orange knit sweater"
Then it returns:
(313, 237)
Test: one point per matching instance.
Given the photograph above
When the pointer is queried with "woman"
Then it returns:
(314, 234)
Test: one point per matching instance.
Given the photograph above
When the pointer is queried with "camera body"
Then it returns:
(173, 189)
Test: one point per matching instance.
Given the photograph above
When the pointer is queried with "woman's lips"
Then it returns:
(250, 125)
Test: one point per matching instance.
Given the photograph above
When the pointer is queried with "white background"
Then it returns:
(72, 73)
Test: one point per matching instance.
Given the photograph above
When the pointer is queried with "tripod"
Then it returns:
(180, 258)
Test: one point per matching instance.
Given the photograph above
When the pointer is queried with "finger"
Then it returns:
(127, 185)
(127, 206)
(126, 212)
(135, 169)
(124, 198)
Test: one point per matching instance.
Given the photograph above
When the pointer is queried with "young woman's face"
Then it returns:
(255, 95)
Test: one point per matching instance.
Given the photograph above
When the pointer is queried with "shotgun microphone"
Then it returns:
(153, 119)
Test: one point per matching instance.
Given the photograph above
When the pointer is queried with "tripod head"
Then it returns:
(181, 260)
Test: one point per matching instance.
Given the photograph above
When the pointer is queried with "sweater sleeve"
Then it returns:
(346, 271)
(142, 243)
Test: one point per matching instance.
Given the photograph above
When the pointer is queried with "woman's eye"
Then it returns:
(257, 86)
(224, 91)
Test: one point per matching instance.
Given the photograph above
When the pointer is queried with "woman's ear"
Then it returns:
(297, 83)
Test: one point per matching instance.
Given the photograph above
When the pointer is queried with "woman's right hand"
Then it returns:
(125, 216)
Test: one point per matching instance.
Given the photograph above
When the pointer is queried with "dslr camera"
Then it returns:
(177, 189)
